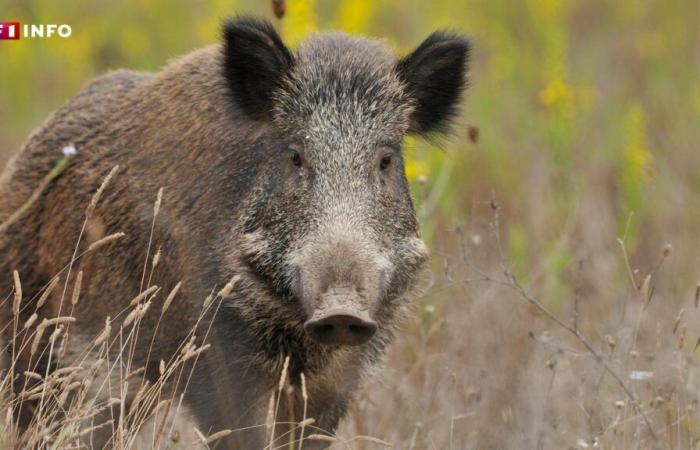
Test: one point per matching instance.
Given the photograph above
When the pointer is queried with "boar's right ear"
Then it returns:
(435, 75)
(255, 62)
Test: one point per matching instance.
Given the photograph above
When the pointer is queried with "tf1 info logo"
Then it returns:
(13, 31)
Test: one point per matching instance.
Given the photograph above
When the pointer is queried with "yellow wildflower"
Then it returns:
(415, 169)
(354, 16)
(300, 20)
(558, 97)
(637, 157)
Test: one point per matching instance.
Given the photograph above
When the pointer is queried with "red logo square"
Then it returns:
(9, 30)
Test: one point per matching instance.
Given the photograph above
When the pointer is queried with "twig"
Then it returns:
(513, 282)
(577, 293)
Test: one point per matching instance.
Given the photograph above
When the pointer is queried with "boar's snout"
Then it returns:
(338, 321)
(340, 277)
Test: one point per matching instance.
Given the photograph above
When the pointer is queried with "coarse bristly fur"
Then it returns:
(283, 168)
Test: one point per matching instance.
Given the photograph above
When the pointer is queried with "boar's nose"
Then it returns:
(341, 327)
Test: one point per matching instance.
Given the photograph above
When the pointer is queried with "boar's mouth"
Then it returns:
(341, 318)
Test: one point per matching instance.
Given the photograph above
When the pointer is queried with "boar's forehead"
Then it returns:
(343, 91)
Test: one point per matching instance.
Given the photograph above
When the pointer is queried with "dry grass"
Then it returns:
(485, 363)
(70, 402)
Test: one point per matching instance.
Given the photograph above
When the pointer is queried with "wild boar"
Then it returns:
(283, 185)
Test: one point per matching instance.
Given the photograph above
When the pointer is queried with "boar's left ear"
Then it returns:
(255, 61)
(435, 75)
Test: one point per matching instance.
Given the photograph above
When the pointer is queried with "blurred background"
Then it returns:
(575, 171)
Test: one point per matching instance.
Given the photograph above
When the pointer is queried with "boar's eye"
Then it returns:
(296, 158)
(384, 163)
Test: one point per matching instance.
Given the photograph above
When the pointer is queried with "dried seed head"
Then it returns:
(170, 297)
(37, 340)
(105, 240)
(90, 430)
(30, 321)
(137, 314)
(136, 372)
(681, 338)
(131, 316)
(218, 435)
(139, 396)
(195, 352)
(306, 422)
(104, 335)
(63, 346)
(33, 375)
(96, 197)
(612, 343)
(679, 318)
(283, 375)
(72, 386)
(208, 300)
(143, 295)
(162, 404)
(156, 259)
(18, 294)
(303, 388)
(55, 335)
(159, 199)
(66, 371)
(47, 292)
(321, 437)
(189, 346)
(226, 290)
(145, 307)
(56, 321)
(76, 289)
(645, 291)
(270, 411)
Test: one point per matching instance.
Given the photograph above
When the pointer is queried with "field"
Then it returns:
(563, 217)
